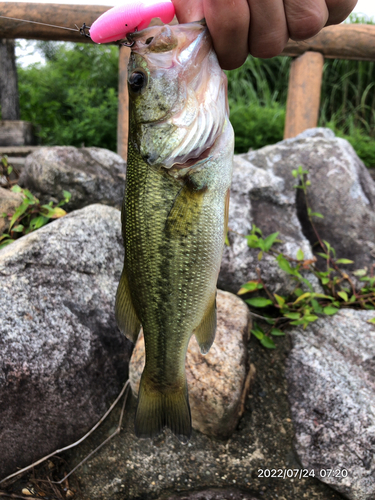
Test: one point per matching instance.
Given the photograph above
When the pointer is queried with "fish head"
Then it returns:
(177, 93)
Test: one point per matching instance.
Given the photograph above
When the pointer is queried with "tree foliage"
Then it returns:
(73, 97)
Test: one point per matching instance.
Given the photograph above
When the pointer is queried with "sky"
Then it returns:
(26, 54)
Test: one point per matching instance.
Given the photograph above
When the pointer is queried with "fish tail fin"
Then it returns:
(158, 409)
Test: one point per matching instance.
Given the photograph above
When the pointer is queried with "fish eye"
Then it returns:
(137, 81)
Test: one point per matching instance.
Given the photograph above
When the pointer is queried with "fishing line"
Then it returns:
(79, 30)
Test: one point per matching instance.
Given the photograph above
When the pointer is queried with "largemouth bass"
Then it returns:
(175, 212)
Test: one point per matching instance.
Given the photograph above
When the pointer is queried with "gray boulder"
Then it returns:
(331, 377)
(62, 358)
(342, 190)
(258, 196)
(263, 194)
(91, 175)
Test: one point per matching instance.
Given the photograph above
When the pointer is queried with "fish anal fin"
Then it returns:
(205, 332)
(158, 408)
(126, 317)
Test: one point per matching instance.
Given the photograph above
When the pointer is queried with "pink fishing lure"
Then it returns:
(116, 23)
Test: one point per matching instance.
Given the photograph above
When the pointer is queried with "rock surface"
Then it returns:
(213, 494)
(258, 197)
(216, 381)
(341, 189)
(91, 175)
(263, 194)
(62, 357)
(331, 376)
(9, 201)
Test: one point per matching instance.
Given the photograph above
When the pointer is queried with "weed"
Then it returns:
(304, 307)
(30, 215)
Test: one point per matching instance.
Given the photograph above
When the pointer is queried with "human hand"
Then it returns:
(260, 27)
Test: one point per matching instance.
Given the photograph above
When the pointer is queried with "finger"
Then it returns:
(305, 18)
(228, 23)
(339, 10)
(268, 33)
(188, 11)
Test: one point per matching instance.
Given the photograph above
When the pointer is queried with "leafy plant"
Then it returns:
(8, 173)
(304, 305)
(31, 215)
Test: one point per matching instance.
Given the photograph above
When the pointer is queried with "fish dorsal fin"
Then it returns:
(205, 333)
(126, 317)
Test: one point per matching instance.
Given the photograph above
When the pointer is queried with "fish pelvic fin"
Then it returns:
(162, 408)
(126, 317)
(205, 333)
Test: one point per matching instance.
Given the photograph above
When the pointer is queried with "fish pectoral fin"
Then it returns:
(157, 409)
(126, 317)
(205, 333)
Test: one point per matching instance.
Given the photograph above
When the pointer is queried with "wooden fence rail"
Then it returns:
(349, 41)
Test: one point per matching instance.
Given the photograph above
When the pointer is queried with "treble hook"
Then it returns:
(129, 44)
(83, 29)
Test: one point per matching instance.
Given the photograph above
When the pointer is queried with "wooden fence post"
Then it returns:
(305, 81)
(9, 100)
(123, 103)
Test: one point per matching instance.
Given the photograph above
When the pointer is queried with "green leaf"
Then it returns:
(250, 286)
(317, 214)
(302, 297)
(30, 197)
(343, 295)
(344, 261)
(325, 281)
(280, 300)
(226, 242)
(324, 255)
(277, 332)
(360, 272)
(16, 189)
(267, 342)
(284, 265)
(300, 254)
(5, 243)
(295, 173)
(18, 229)
(318, 309)
(329, 310)
(260, 255)
(292, 315)
(53, 213)
(269, 241)
(67, 195)
(310, 317)
(257, 332)
(253, 241)
(19, 212)
(259, 302)
(38, 222)
(9, 170)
